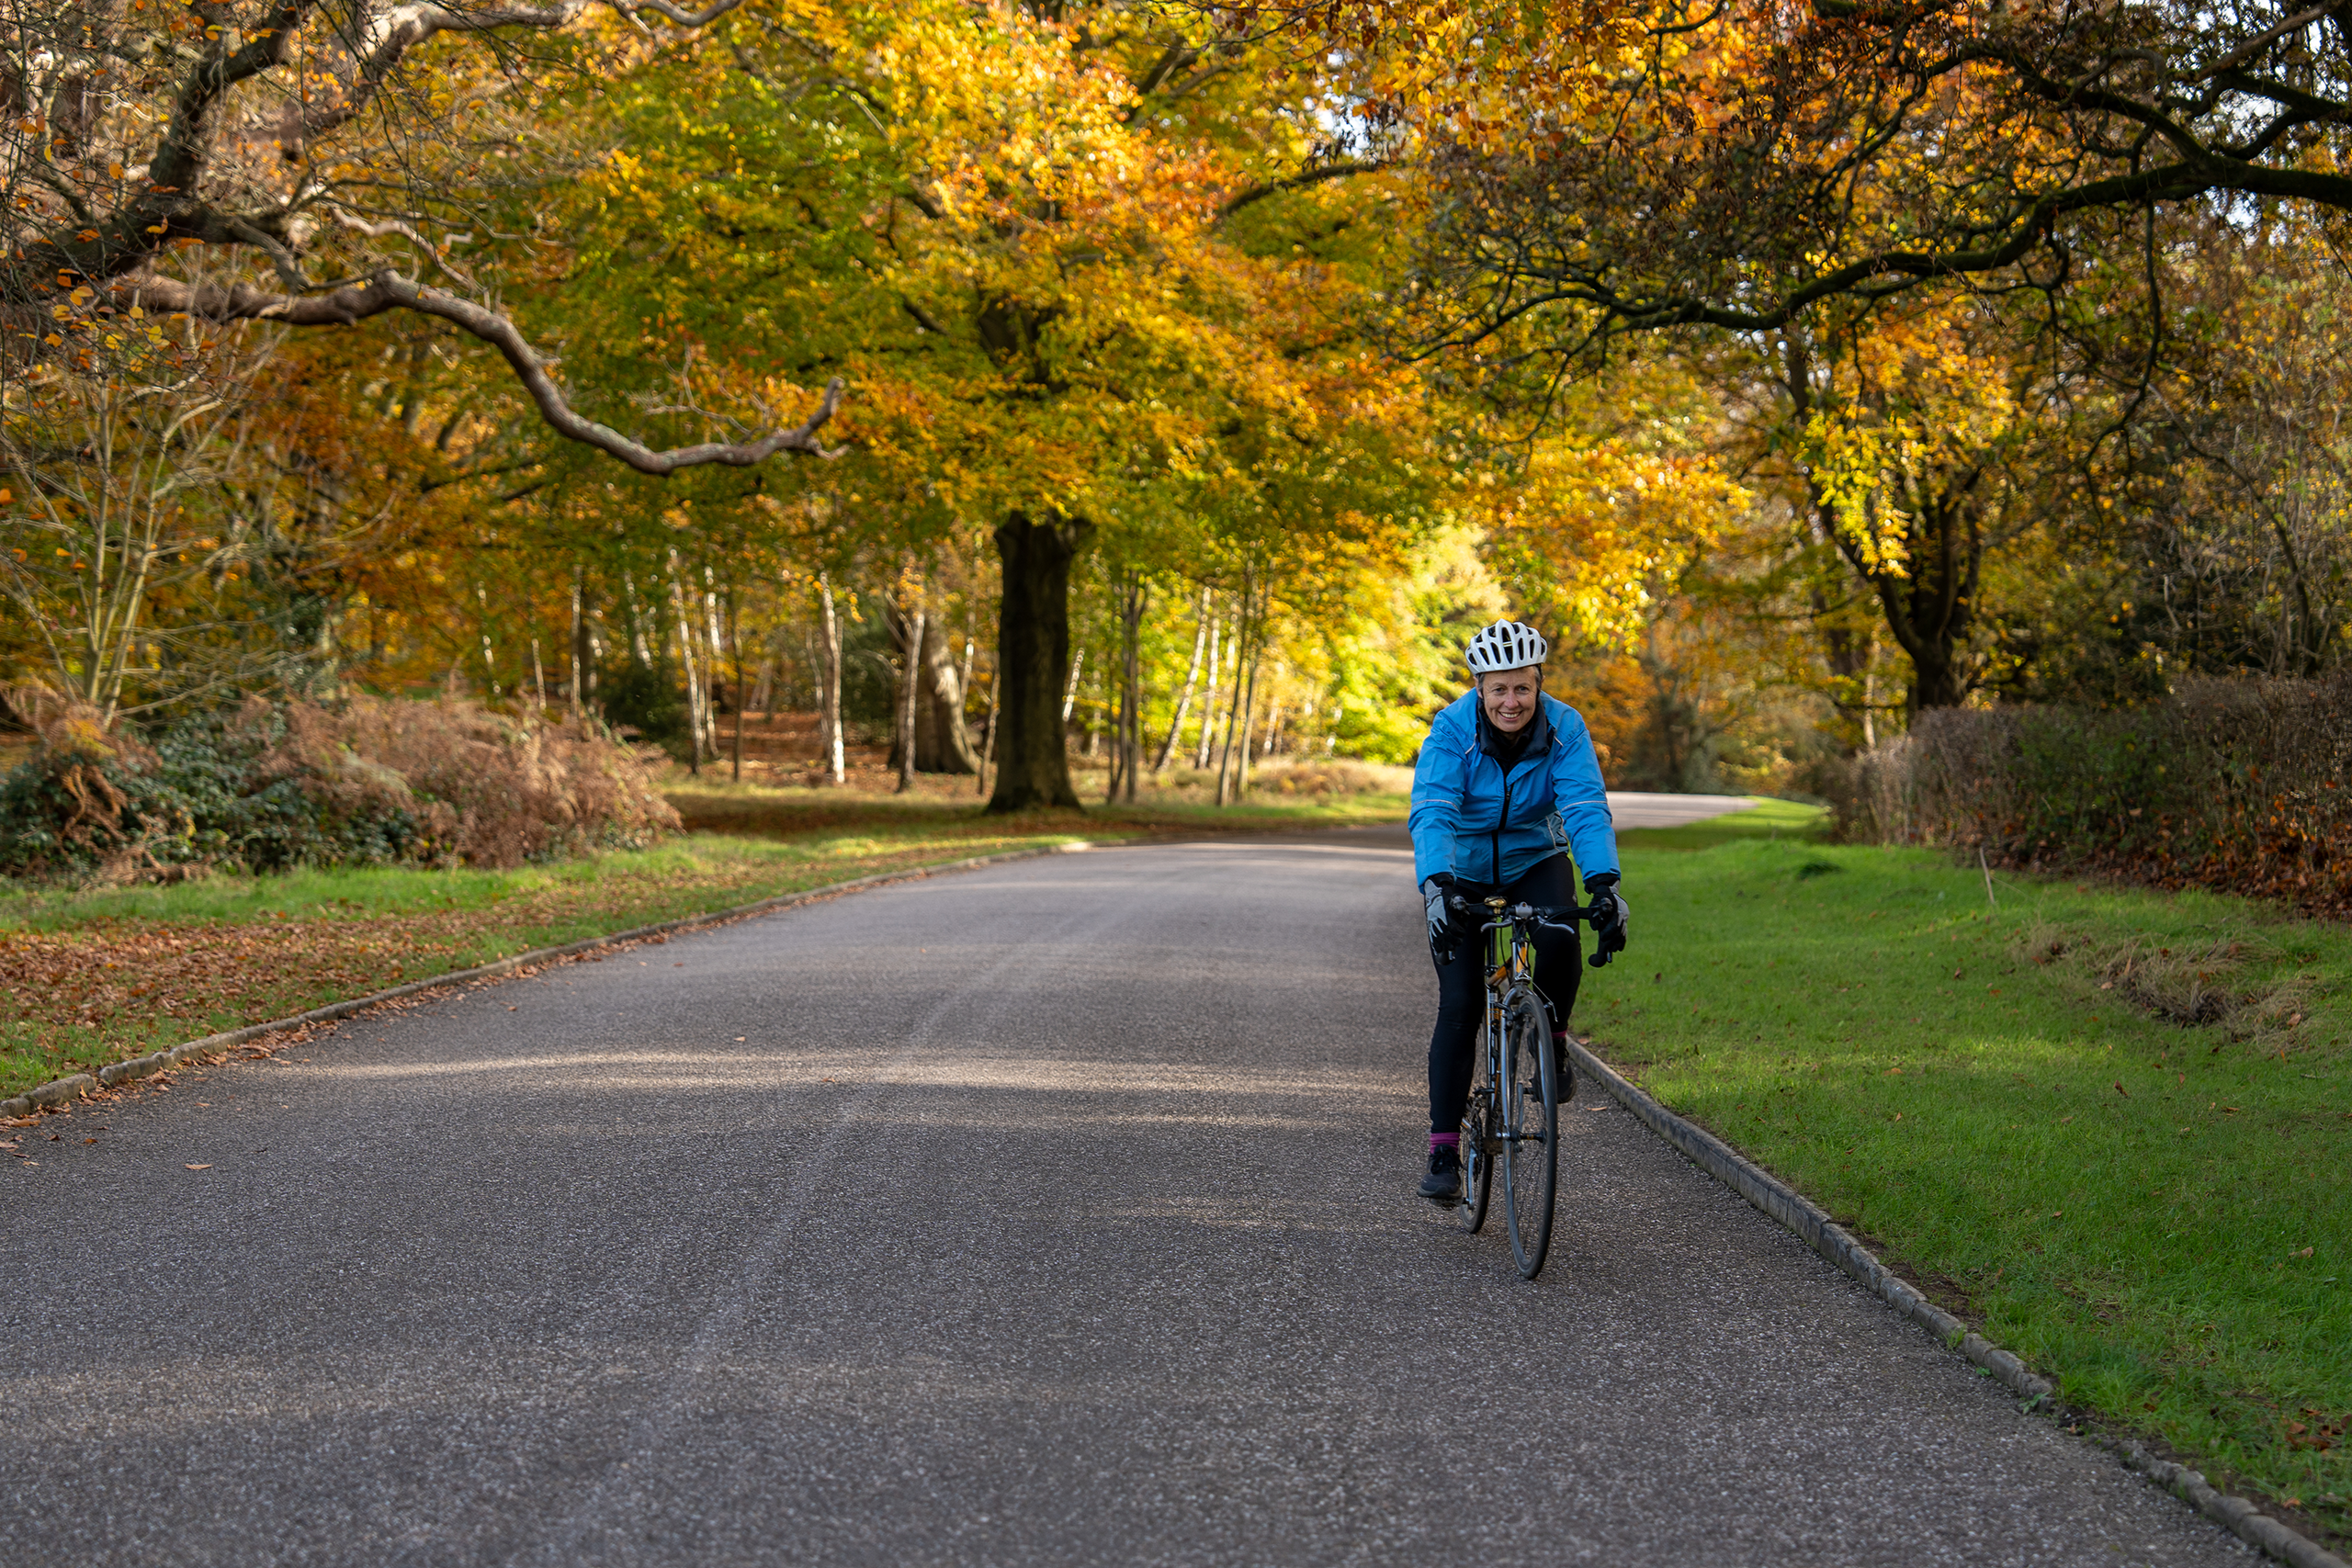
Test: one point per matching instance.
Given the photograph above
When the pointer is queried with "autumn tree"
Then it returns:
(340, 149)
(1687, 163)
(1037, 241)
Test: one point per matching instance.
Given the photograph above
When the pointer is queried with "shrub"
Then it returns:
(491, 790)
(2239, 785)
(270, 786)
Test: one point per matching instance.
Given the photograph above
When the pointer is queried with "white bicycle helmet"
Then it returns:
(1505, 645)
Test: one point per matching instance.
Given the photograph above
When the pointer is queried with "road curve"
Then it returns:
(1056, 1214)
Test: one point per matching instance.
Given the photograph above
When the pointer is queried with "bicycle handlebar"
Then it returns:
(1570, 913)
(1564, 918)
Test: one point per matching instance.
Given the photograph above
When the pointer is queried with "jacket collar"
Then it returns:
(1538, 732)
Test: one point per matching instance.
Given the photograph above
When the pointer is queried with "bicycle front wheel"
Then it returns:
(1478, 1149)
(1531, 1130)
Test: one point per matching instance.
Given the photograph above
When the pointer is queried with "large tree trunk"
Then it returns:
(942, 743)
(1931, 609)
(1033, 662)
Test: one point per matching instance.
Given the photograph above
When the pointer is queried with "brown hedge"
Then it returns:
(2234, 784)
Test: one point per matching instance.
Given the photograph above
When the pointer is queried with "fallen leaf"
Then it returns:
(199, 1167)
(2306, 1252)
(2122, 1091)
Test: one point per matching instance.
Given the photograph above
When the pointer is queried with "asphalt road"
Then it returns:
(1058, 1212)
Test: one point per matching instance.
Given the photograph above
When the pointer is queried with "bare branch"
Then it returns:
(669, 12)
(2266, 38)
(387, 290)
(391, 226)
(1293, 182)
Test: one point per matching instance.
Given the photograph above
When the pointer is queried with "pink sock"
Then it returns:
(1444, 1140)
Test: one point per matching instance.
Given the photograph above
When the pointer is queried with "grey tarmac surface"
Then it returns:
(1058, 1212)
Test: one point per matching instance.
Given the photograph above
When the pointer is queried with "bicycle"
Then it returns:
(1514, 1113)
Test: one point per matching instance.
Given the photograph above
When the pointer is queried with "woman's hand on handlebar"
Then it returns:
(1608, 916)
(1437, 894)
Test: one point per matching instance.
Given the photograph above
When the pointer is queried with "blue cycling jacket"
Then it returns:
(1473, 818)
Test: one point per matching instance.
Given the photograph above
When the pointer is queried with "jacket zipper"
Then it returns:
(1495, 844)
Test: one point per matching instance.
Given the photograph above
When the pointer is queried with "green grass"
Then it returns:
(1767, 819)
(2177, 1252)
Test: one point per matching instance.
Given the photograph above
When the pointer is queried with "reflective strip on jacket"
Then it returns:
(1473, 818)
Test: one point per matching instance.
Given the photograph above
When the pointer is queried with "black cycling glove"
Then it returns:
(1435, 891)
(1609, 912)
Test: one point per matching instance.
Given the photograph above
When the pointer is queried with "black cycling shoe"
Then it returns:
(1444, 1183)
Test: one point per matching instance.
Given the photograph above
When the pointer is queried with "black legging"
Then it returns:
(1461, 985)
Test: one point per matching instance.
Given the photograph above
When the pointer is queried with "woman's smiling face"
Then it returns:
(1509, 696)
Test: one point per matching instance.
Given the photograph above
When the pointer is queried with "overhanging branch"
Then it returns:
(387, 290)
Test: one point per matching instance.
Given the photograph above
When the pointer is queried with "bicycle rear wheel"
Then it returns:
(1531, 1128)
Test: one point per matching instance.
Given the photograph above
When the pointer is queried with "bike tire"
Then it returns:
(1476, 1150)
(1531, 1130)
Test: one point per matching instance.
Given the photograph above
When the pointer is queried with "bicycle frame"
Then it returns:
(1509, 936)
(1510, 967)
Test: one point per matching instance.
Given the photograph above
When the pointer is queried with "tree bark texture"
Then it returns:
(828, 708)
(988, 753)
(694, 709)
(907, 629)
(735, 646)
(581, 660)
(1130, 749)
(1205, 745)
(1191, 681)
(1033, 660)
(943, 741)
(1233, 764)
(1930, 604)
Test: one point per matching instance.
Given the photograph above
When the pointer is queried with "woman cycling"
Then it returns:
(1506, 787)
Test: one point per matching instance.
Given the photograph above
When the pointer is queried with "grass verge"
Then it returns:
(97, 977)
(2115, 1124)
